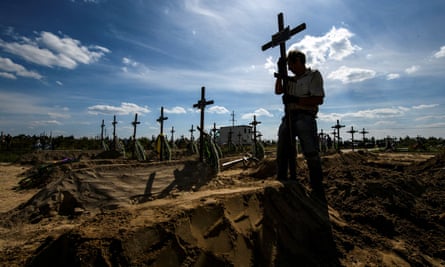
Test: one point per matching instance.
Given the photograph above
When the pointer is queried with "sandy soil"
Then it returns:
(382, 210)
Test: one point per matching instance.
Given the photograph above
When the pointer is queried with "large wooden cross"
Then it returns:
(254, 123)
(135, 123)
(161, 120)
(202, 103)
(114, 132)
(280, 38)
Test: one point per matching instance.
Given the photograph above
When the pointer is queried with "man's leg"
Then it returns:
(282, 151)
(307, 133)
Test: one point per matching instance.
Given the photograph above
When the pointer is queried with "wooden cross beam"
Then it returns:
(172, 132)
(254, 123)
(202, 103)
(214, 130)
(337, 132)
(102, 126)
(135, 123)
(280, 38)
(114, 132)
(363, 132)
(161, 120)
(352, 132)
(191, 133)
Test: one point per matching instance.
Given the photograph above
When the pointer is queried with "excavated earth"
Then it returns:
(383, 209)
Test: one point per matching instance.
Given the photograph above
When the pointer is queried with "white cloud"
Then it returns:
(7, 75)
(351, 75)
(270, 66)
(123, 109)
(14, 69)
(425, 106)
(392, 76)
(196, 7)
(58, 115)
(129, 62)
(440, 53)
(175, 110)
(218, 110)
(51, 50)
(377, 113)
(412, 69)
(335, 45)
(45, 123)
(259, 112)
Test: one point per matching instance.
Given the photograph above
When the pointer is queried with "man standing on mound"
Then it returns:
(302, 96)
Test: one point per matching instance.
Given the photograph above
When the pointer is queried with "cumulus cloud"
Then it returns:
(335, 45)
(259, 112)
(11, 70)
(412, 69)
(270, 65)
(218, 110)
(351, 75)
(123, 109)
(175, 110)
(440, 53)
(50, 50)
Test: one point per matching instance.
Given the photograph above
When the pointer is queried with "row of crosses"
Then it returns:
(202, 103)
(352, 131)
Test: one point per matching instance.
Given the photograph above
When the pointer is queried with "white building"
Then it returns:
(239, 135)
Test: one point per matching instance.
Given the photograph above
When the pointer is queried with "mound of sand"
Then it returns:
(383, 210)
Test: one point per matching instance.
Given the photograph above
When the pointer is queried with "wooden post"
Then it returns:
(352, 132)
(161, 120)
(363, 132)
(254, 123)
(135, 123)
(214, 130)
(202, 103)
(172, 132)
(102, 126)
(337, 133)
(191, 134)
(114, 132)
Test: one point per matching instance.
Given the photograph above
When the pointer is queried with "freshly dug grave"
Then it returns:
(383, 210)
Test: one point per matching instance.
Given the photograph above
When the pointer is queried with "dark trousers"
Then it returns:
(304, 126)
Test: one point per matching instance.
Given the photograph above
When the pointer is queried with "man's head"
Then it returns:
(296, 61)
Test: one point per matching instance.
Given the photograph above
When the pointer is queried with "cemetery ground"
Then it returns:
(384, 209)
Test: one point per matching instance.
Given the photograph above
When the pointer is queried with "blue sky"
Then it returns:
(67, 65)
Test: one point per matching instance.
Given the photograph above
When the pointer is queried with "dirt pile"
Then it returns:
(253, 228)
(393, 210)
(384, 210)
